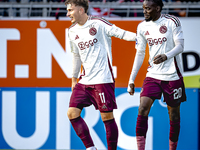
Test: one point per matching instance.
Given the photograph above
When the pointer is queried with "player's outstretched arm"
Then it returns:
(129, 36)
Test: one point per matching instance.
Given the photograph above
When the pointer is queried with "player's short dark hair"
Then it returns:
(158, 2)
(83, 3)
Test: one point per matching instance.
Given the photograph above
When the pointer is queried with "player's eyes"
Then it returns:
(147, 8)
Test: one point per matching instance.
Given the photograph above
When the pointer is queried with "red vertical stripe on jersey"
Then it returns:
(83, 74)
(111, 71)
(177, 68)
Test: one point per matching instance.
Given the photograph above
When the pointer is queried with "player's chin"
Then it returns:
(147, 18)
(72, 21)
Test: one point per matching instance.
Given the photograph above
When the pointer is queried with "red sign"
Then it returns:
(35, 54)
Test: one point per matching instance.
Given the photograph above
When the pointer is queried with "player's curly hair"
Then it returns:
(83, 3)
(158, 2)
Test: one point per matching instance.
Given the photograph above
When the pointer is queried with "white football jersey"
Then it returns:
(160, 36)
(93, 43)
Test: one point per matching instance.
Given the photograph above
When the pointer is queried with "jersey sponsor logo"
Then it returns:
(93, 31)
(156, 41)
(84, 45)
(163, 29)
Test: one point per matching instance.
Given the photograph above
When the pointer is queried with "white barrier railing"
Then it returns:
(125, 9)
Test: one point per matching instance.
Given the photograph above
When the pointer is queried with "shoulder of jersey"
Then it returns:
(142, 23)
(72, 25)
(101, 19)
(174, 19)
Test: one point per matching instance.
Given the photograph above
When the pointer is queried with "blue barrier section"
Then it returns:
(35, 118)
(199, 118)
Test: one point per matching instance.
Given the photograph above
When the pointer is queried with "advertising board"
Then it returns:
(35, 81)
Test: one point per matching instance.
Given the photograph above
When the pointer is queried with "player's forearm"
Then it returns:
(76, 65)
(129, 36)
(179, 47)
(74, 80)
(137, 65)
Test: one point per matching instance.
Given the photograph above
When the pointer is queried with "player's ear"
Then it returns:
(81, 10)
(158, 8)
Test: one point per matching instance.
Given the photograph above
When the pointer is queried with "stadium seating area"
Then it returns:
(106, 8)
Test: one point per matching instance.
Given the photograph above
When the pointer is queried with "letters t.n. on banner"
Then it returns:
(35, 54)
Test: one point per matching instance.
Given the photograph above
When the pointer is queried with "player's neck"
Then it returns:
(83, 20)
(157, 17)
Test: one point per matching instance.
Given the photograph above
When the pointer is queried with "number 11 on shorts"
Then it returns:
(102, 97)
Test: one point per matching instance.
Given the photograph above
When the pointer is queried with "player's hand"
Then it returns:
(159, 59)
(132, 88)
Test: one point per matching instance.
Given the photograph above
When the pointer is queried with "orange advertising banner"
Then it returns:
(34, 54)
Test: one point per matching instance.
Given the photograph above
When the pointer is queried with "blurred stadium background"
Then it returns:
(109, 8)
